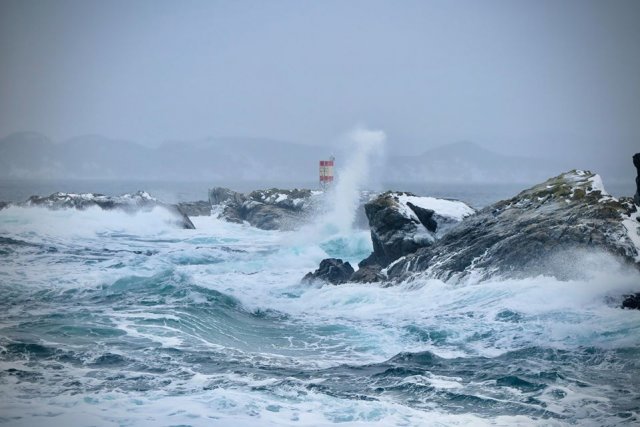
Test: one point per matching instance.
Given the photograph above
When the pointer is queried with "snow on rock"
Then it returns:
(131, 203)
(533, 233)
(402, 222)
(632, 225)
(453, 209)
(272, 209)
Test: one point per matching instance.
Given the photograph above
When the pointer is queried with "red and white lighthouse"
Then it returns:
(326, 172)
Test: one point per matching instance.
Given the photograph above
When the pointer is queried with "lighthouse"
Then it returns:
(326, 173)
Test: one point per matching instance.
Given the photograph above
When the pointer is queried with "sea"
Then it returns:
(115, 319)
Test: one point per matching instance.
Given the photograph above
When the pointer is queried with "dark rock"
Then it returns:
(140, 201)
(527, 234)
(272, 209)
(368, 274)
(636, 163)
(331, 270)
(4, 205)
(400, 227)
(220, 195)
(632, 302)
(425, 216)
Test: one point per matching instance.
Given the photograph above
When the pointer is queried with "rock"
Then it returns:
(4, 205)
(272, 209)
(368, 274)
(199, 208)
(632, 302)
(523, 235)
(331, 270)
(130, 203)
(220, 195)
(636, 163)
(401, 223)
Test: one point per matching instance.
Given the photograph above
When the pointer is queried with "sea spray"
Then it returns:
(365, 148)
(335, 218)
(158, 325)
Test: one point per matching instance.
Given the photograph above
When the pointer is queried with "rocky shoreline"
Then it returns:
(139, 201)
(536, 232)
(532, 233)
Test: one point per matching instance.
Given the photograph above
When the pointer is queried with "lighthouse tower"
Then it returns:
(326, 173)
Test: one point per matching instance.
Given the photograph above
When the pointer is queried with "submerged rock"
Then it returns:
(520, 236)
(131, 203)
(331, 270)
(368, 274)
(272, 209)
(401, 223)
(632, 302)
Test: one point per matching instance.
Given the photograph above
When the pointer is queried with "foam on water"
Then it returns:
(108, 318)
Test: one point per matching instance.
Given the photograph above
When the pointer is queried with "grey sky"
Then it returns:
(515, 76)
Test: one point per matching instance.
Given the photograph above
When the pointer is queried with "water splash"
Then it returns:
(336, 216)
(366, 148)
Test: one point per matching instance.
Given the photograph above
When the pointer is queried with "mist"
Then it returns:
(545, 86)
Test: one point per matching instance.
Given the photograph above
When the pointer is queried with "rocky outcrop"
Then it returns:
(272, 209)
(523, 235)
(4, 205)
(331, 270)
(401, 223)
(127, 202)
(368, 274)
(636, 163)
(631, 302)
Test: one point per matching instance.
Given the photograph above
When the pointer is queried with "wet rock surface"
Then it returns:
(401, 223)
(632, 302)
(130, 203)
(368, 274)
(332, 270)
(272, 209)
(522, 236)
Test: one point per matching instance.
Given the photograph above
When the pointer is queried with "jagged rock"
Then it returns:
(4, 205)
(632, 302)
(221, 195)
(520, 236)
(636, 163)
(199, 208)
(401, 223)
(331, 270)
(272, 209)
(131, 203)
(368, 274)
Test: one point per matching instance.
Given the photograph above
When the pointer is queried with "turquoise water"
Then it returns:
(113, 319)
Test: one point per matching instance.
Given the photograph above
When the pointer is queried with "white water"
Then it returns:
(322, 328)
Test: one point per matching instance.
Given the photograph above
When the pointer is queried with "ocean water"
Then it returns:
(113, 319)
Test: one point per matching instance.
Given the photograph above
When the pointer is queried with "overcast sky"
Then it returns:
(519, 77)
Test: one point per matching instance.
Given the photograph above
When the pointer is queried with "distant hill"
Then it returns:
(467, 161)
(32, 155)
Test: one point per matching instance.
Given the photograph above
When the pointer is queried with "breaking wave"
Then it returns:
(108, 318)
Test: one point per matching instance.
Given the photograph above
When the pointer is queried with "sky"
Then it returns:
(517, 77)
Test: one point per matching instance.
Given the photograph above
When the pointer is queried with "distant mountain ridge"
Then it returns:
(32, 155)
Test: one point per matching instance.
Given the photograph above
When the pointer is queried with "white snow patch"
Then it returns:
(447, 208)
(597, 185)
(633, 231)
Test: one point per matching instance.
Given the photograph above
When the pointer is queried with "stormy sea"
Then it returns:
(110, 318)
